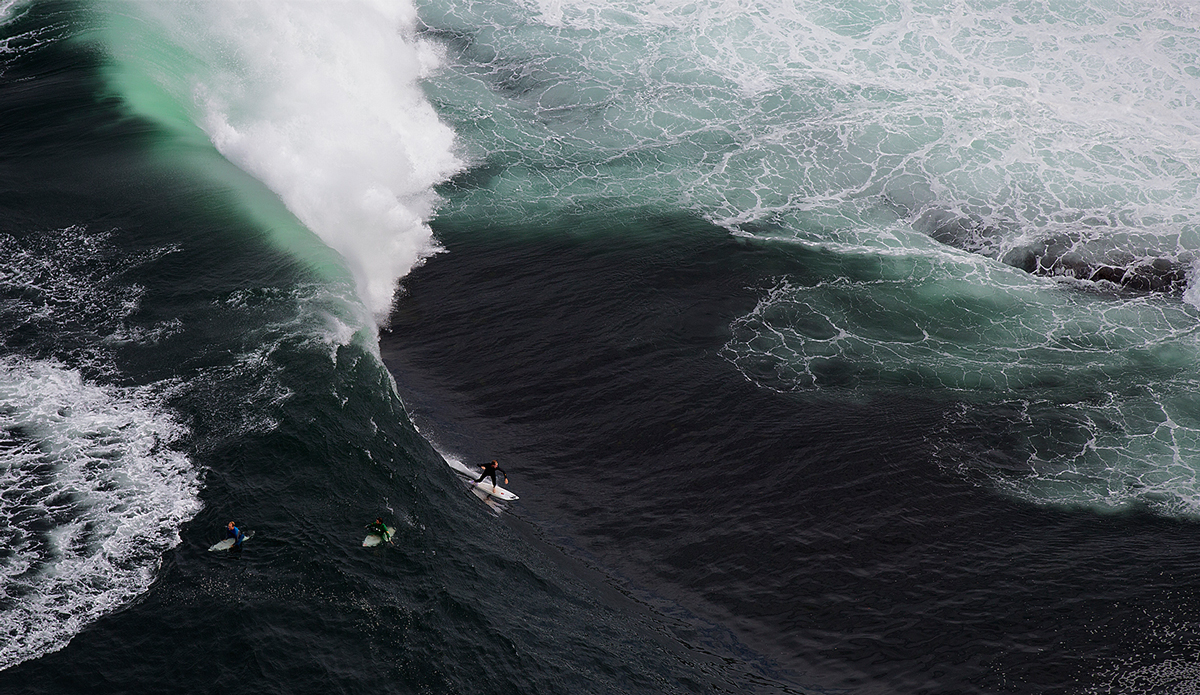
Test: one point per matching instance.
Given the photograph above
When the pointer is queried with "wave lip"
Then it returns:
(94, 495)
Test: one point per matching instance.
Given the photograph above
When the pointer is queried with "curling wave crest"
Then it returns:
(322, 102)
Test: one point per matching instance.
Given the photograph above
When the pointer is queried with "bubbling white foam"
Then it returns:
(322, 102)
(94, 495)
(8, 9)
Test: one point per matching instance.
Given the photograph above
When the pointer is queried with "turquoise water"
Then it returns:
(853, 131)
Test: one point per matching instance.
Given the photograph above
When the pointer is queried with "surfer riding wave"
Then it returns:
(489, 470)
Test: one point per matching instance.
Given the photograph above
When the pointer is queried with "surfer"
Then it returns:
(379, 529)
(235, 533)
(489, 469)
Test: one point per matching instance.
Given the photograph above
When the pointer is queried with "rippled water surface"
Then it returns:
(830, 346)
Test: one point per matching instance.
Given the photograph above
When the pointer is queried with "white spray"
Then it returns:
(322, 102)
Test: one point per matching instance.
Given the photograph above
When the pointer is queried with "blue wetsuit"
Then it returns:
(236, 534)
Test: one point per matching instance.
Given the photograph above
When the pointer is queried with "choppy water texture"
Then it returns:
(831, 346)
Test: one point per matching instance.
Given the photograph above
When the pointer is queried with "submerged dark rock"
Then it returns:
(1059, 255)
(1145, 275)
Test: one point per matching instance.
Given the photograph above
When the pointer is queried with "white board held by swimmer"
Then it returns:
(374, 539)
(228, 542)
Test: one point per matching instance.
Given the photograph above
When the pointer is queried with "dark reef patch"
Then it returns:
(1069, 254)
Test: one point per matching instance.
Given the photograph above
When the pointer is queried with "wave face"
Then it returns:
(851, 133)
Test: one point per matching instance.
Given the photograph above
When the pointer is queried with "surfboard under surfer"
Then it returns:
(489, 469)
(235, 533)
(380, 529)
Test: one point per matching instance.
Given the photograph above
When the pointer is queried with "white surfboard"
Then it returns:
(494, 490)
(228, 542)
(374, 539)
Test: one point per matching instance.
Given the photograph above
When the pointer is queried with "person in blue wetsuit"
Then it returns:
(235, 533)
(490, 469)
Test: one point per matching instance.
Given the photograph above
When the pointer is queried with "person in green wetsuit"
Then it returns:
(380, 529)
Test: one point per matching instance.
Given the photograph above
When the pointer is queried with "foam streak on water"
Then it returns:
(94, 494)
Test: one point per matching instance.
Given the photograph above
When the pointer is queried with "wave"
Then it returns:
(113, 338)
(336, 153)
(321, 102)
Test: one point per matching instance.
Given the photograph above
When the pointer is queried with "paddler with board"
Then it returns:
(378, 528)
(235, 533)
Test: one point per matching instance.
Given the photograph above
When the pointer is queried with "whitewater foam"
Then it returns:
(94, 495)
(94, 490)
(811, 117)
(8, 9)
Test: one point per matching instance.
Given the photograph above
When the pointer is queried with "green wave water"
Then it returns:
(309, 114)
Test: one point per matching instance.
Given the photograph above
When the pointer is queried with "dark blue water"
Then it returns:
(823, 533)
(690, 519)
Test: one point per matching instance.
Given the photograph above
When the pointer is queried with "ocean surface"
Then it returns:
(832, 346)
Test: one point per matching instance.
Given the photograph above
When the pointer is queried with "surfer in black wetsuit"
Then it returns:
(489, 469)
(379, 529)
(235, 533)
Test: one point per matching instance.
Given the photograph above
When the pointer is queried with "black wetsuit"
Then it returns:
(490, 469)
